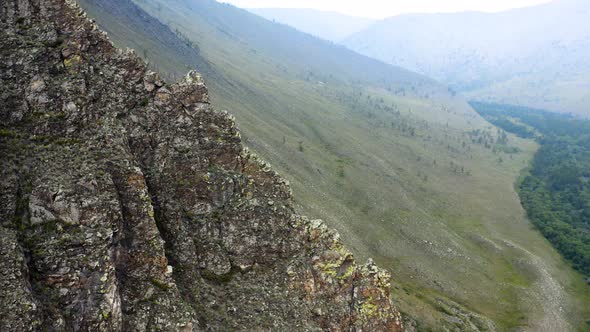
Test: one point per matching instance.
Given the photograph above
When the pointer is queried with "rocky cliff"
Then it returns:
(130, 205)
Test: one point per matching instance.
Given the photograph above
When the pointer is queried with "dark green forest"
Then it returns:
(556, 191)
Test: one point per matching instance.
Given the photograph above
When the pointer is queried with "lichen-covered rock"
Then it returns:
(130, 205)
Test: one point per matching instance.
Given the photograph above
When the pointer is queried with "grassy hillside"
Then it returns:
(405, 171)
(527, 56)
(131, 27)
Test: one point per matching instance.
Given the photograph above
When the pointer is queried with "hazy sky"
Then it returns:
(384, 8)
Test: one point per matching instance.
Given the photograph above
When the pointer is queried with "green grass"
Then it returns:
(360, 164)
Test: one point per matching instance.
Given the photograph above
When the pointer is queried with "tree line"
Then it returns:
(556, 191)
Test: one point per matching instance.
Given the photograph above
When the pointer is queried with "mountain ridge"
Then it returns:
(130, 204)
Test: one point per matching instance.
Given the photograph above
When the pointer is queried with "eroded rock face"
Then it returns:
(131, 205)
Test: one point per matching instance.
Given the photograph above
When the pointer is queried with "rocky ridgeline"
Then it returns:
(130, 205)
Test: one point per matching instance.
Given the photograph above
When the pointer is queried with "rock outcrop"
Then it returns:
(130, 205)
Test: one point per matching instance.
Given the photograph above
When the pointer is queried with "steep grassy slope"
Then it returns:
(386, 157)
(327, 25)
(537, 56)
(148, 37)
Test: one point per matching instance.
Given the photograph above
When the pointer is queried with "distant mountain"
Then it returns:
(327, 25)
(537, 56)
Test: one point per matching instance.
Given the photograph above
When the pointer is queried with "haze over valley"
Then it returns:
(535, 56)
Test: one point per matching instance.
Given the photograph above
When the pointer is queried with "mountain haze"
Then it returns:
(327, 25)
(536, 56)
(407, 172)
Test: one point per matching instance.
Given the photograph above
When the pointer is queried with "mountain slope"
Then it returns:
(150, 39)
(327, 25)
(525, 56)
(130, 205)
(406, 172)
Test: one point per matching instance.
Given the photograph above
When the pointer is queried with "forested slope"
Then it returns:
(556, 190)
